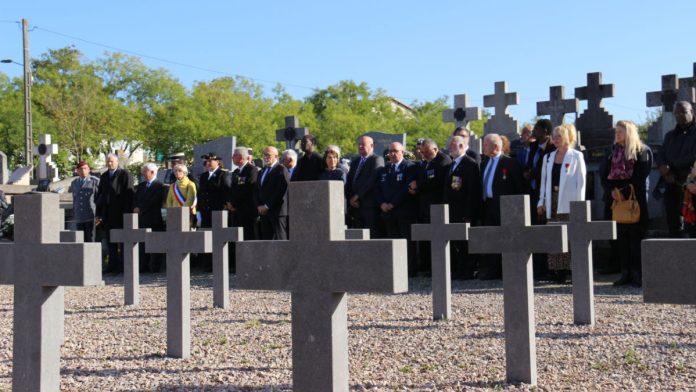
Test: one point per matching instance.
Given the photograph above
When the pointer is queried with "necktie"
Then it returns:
(148, 185)
(487, 178)
(263, 176)
(360, 166)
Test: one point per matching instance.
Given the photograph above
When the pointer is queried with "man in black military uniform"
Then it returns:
(241, 195)
(213, 189)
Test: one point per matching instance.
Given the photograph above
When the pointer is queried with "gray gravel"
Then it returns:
(393, 343)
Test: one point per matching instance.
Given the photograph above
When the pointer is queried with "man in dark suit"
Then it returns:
(398, 208)
(465, 133)
(311, 165)
(115, 198)
(271, 197)
(427, 187)
(241, 195)
(147, 203)
(502, 176)
(462, 192)
(360, 186)
(213, 189)
(541, 146)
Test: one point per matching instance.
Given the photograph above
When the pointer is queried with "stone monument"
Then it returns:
(21, 175)
(319, 267)
(47, 170)
(595, 124)
(131, 237)
(501, 122)
(222, 236)
(223, 147)
(440, 232)
(4, 174)
(177, 243)
(461, 114)
(291, 133)
(38, 288)
(383, 140)
(557, 107)
(670, 93)
(668, 271)
(516, 240)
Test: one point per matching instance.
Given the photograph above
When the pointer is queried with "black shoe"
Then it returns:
(623, 281)
(636, 283)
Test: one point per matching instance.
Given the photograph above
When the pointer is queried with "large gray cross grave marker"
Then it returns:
(222, 236)
(319, 267)
(501, 122)
(38, 291)
(581, 232)
(557, 107)
(461, 114)
(516, 240)
(291, 133)
(177, 243)
(669, 269)
(439, 232)
(131, 236)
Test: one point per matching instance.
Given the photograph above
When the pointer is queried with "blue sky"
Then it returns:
(415, 50)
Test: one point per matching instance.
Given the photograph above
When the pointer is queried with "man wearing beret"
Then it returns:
(84, 190)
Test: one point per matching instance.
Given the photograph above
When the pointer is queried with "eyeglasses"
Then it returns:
(394, 151)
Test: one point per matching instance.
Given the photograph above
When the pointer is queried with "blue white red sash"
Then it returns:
(179, 197)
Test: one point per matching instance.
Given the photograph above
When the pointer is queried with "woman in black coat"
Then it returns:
(627, 163)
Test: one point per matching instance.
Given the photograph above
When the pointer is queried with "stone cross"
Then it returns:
(594, 117)
(222, 236)
(291, 133)
(461, 114)
(671, 93)
(38, 291)
(689, 81)
(516, 240)
(440, 232)
(45, 151)
(557, 107)
(178, 242)
(581, 232)
(131, 237)
(668, 271)
(319, 267)
(501, 122)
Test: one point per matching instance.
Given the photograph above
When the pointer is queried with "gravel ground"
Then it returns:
(393, 343)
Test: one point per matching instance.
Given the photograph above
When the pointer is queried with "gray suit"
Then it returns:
(84, 196)
(363, 183)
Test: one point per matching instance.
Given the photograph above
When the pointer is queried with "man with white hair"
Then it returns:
(147, 203)
(501, 175)
(271, 197)
(241, 196)
(289, 159)
(115, 199)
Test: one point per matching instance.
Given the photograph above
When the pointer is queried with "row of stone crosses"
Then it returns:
(320, 263)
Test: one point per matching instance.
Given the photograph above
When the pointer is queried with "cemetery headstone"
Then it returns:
(38, 291)
(21, 176)
(222, 236)
(581, 232)
(177, 243)
(45, 150)
(382, 140)
(440, 232)
(668, 271)
(557, 107)
(222, 147)
(4, 174)
(516, 240)
(131, 237)
(595, 124)
(501, 122)
(291, 133)
(319, 267)
(670, 93)
(461, 114)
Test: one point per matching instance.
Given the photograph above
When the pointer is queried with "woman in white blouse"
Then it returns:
(562, 181)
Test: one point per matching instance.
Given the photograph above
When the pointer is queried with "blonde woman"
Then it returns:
(562, 181)
(627, 163)
(182, 193)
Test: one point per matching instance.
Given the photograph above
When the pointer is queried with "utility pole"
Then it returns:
(28, 133)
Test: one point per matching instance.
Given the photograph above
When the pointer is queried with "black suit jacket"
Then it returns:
(507, 180)
(272, 191)
(241, 194)
(149, 201)
(462, 191)
(308, 168)
(430, 182)
(364, 184)
(476, 157)
(213, 192)
(392, 187)
(115, 197)
(535, 171)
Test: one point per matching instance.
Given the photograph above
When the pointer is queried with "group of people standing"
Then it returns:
(387, 197)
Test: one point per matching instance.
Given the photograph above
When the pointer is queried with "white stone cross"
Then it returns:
(440, 232)
(461, 114)
(45, 151)
(131, 236)
(38, 291)
(177, 243)
(319, 266)
(291, 133)
(516, 240)
(557, 107)
(501, 122)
